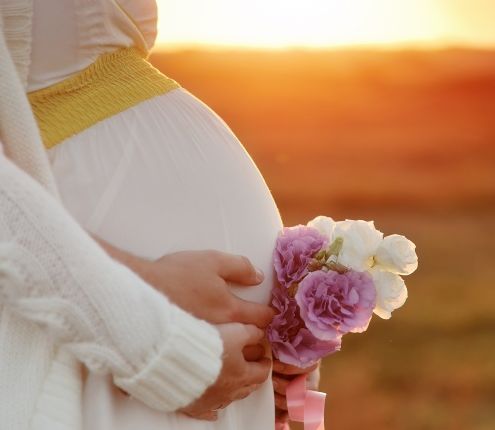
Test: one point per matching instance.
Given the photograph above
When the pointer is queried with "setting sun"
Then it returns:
(325, 23)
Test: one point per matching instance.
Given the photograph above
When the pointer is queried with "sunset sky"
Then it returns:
(326, 23)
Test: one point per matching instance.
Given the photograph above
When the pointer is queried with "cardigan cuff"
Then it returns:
(188, 362)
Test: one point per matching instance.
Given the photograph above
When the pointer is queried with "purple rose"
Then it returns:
(333, 304)
(291, 341)
(294, 250)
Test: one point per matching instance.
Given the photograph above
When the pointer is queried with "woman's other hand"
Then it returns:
(238, 377)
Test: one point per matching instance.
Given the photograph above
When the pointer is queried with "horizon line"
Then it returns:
(385, 47)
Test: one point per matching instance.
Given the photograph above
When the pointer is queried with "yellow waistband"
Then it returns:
(112, 84)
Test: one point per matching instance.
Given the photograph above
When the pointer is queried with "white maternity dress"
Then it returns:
(162, 176)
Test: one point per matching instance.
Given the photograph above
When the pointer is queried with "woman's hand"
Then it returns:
(282, 375)
(197, 281)
(238, 377)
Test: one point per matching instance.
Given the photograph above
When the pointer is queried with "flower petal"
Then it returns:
(391, 292)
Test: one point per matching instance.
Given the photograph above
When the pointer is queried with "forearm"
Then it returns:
(138, 265)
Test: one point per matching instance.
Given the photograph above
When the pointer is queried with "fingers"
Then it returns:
(258, 372)
(281, 425)
(251, 335)
(243, 341)
(281, 415)
(253, 313)
(240, 335)
(238, 269)
(280, 402)
(280, 384)
(212, 416)
(253, 352)
(240, 394)
(246, 391)
(207, 416)
(287, 369)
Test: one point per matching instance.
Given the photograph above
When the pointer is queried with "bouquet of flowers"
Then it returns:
(332, 277)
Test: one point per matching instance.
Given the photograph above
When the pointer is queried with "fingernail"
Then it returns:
(259, 275)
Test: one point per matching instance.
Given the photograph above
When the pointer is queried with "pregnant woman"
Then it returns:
(147, 167)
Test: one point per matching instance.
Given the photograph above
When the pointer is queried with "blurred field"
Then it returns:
(407, 139)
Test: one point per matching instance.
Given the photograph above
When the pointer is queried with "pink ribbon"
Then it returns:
(306, 406)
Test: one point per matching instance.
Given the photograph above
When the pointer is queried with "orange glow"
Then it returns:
(325, 23)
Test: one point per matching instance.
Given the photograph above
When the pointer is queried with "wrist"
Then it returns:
(139, 265)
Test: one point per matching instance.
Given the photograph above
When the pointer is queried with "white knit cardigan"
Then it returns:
(63, 300)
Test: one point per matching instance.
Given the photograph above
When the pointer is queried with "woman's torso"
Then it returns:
(162, 176)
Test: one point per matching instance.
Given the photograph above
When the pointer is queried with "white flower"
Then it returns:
(325, 225)
(391, 292)
(361, 241)
(397, 254)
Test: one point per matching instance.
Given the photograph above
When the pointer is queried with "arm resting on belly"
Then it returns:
(53, 274)
(198, 281)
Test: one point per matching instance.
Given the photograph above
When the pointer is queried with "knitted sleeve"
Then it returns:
(53, 274)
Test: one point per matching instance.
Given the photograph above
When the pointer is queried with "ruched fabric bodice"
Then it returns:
(69, 35)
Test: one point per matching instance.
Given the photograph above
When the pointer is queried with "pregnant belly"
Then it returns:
(165, 176)
(169, 175)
